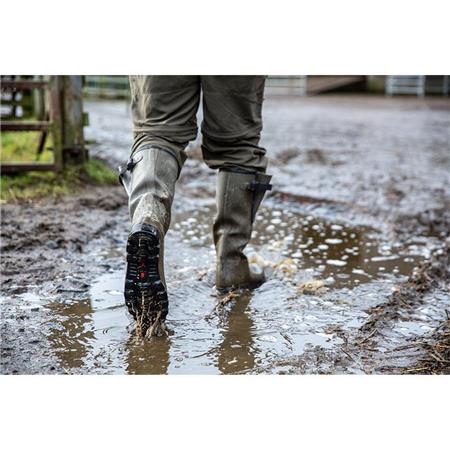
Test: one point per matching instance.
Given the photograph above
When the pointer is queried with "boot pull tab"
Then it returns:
(257, 186)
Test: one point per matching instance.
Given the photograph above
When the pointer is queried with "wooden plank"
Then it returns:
(9, 168)
(12, 125)
(21, 85)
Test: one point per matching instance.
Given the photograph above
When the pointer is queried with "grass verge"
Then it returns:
(22, 146)
(31, 185)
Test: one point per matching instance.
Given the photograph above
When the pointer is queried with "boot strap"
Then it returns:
(131, 163)
(257, 186)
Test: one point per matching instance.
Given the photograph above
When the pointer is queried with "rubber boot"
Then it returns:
(149, 179)
(238, 197)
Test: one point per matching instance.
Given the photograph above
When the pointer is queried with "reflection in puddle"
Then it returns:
(275, 321)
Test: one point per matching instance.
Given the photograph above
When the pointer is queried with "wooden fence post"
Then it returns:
(55, 109)
(73, 138)
(66, 115)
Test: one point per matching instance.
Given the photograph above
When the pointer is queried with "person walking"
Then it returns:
(164, 112)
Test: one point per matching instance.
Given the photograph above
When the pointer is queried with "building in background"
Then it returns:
(302, 85)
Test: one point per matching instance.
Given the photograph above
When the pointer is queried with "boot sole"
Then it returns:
(145, 294)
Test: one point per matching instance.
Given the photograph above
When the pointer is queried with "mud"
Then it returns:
(353, 239)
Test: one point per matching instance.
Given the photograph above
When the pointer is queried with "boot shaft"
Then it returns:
(238, 198)
(149, 179)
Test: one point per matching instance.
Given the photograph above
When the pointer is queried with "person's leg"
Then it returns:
(164, 112)
(164, 120)
(232, 107)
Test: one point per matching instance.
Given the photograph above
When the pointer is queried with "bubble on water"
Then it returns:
(275, 221)
(297, 254)
(333, 241)
(359, 272)
(276, 213)
(383, 258)
(336, 262)
(343, 276)
(270, 228)
(323, 247)
(336, 227)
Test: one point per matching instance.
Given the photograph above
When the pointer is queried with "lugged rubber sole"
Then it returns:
(145, 294)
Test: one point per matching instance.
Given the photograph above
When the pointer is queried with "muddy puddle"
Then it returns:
(322, 275)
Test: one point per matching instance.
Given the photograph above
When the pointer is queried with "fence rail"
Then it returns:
(106, 86)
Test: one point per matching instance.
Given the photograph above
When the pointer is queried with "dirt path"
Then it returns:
(361, 198)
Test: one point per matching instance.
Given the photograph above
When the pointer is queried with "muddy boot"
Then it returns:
(149, 180)
(238, 197)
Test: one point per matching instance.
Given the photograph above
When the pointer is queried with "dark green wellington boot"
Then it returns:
(238, 197)
(149, 180)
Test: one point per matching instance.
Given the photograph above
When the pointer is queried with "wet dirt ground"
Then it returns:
(354, 239)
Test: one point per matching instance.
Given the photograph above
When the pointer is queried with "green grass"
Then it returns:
(21, 146)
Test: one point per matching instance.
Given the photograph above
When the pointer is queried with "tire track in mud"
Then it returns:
(428, 287)
(376, 347)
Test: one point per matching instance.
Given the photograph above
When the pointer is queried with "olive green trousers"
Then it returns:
(164, 110)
